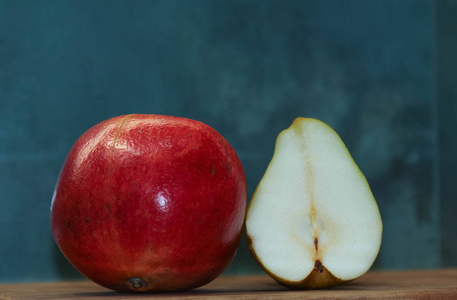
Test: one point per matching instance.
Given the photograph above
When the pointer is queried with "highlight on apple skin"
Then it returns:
(150, 203)
(313, 221)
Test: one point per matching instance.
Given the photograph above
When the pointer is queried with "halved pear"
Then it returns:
(313, 221)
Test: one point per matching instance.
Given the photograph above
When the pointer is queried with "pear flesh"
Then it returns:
(313, 221)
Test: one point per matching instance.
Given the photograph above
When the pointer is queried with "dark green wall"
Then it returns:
(447, 124)
(370, 69)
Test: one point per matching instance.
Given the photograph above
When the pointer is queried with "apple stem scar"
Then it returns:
(137, 282)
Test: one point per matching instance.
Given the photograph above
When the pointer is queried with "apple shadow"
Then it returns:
(204, 292)
(208, 292)
(191, 294)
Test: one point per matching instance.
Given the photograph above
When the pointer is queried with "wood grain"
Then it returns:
(439, 284)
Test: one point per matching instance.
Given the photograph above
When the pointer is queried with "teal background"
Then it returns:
(381, 73)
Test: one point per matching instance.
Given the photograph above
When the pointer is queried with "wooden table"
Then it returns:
(440, 284)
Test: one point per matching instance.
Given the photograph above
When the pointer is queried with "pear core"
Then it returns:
(313, 221)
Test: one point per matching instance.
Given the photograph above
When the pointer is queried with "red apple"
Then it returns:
(150, 203)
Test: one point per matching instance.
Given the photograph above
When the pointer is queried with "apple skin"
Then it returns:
(150, 203)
